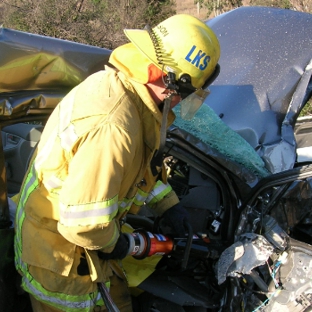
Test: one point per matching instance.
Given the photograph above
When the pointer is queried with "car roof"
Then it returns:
(264, 81)
(264, 53)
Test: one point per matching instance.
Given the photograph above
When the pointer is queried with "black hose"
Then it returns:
(109, 303)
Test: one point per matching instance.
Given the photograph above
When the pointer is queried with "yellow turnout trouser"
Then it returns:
(118, 291)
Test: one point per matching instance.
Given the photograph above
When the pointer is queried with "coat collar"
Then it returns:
(145, 96)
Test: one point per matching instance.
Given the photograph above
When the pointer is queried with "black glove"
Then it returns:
(175, 217)
(120, 250)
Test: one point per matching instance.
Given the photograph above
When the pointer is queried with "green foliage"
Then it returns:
(307, 110)
(216, 7)
(298, 5)
(158, 10)
(284, 4)
(95, 22)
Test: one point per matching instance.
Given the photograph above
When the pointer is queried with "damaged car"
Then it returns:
(242, 167)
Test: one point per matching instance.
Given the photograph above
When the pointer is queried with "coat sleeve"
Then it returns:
(90, 193)
(162, 197)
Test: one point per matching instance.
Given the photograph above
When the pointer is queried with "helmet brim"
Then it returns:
(142, 40)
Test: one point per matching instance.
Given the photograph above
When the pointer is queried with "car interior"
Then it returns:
(19, 142)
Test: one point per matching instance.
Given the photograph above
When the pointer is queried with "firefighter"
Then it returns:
(99, 157)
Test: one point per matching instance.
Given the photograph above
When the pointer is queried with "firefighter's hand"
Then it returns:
(175, 217)
(119, 252)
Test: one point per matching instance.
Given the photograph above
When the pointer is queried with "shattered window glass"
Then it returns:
(210, 129)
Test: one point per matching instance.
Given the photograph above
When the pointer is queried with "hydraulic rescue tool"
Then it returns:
(144, 244)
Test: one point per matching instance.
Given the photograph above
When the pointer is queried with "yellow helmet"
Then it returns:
(183, 45)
